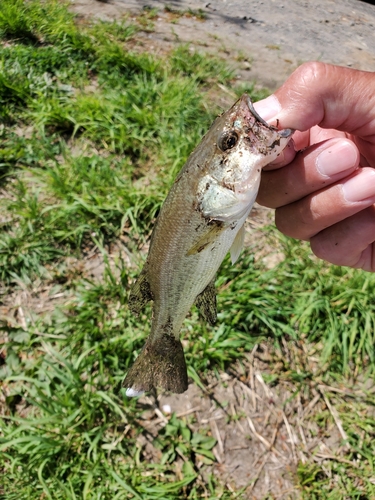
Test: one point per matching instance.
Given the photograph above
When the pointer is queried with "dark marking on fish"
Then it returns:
(275, 143)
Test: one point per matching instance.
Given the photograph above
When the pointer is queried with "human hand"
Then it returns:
(325, 193)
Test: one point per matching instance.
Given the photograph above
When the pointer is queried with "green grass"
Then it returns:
(92, 136)
(198, 14)
(304, 296)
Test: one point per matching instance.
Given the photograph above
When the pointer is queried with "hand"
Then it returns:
(325, 193)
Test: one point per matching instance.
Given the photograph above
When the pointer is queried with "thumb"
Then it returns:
(326, 95)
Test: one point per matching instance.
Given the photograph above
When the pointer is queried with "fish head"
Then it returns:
(236, 148)
(245, 143)
(243, 127)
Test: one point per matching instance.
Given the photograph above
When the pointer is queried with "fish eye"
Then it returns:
(227, 140)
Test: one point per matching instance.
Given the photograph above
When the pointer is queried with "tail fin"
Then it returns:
(161, 364)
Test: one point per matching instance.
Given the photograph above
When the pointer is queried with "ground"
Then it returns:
(263, 430)
(266, 40)
(264, 424)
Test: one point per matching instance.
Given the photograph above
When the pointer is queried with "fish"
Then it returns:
(200, 221)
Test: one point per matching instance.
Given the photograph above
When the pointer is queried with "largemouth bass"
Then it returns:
(201, 220)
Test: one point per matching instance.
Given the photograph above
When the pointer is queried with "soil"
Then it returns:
(265, 40)
(262, 431)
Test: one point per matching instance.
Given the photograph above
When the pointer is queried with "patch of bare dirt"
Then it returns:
(265, 40)
(263, 429)
(263, 423)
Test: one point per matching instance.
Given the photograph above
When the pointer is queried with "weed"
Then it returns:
(197, 14)
(93, 135)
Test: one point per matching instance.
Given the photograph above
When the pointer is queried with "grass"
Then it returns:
(177, 13)
(92, 136)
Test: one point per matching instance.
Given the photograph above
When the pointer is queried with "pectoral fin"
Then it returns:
(140, 293)
(206, 303)
(207, 239)
(237, 244)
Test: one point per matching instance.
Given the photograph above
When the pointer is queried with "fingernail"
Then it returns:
(268, 108)
(338, 157)
(361, 186)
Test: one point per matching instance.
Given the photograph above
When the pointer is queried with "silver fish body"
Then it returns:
(201, 220)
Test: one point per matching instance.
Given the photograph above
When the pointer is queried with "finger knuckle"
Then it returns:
(320, 248)
(311, 73)
(326, 247)
(299, 220)
(286, 224)
(266, 195)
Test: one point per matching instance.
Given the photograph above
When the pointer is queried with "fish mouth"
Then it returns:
(285, 133)
(250, 104)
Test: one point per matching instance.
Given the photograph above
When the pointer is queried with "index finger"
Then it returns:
(329, 96)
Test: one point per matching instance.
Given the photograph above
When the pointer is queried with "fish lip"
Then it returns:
(285, 133)
(249, 102)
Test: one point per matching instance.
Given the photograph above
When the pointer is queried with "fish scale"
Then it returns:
(201, 220)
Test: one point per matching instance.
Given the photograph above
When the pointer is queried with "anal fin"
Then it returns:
(140, 292)
(206, 303)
